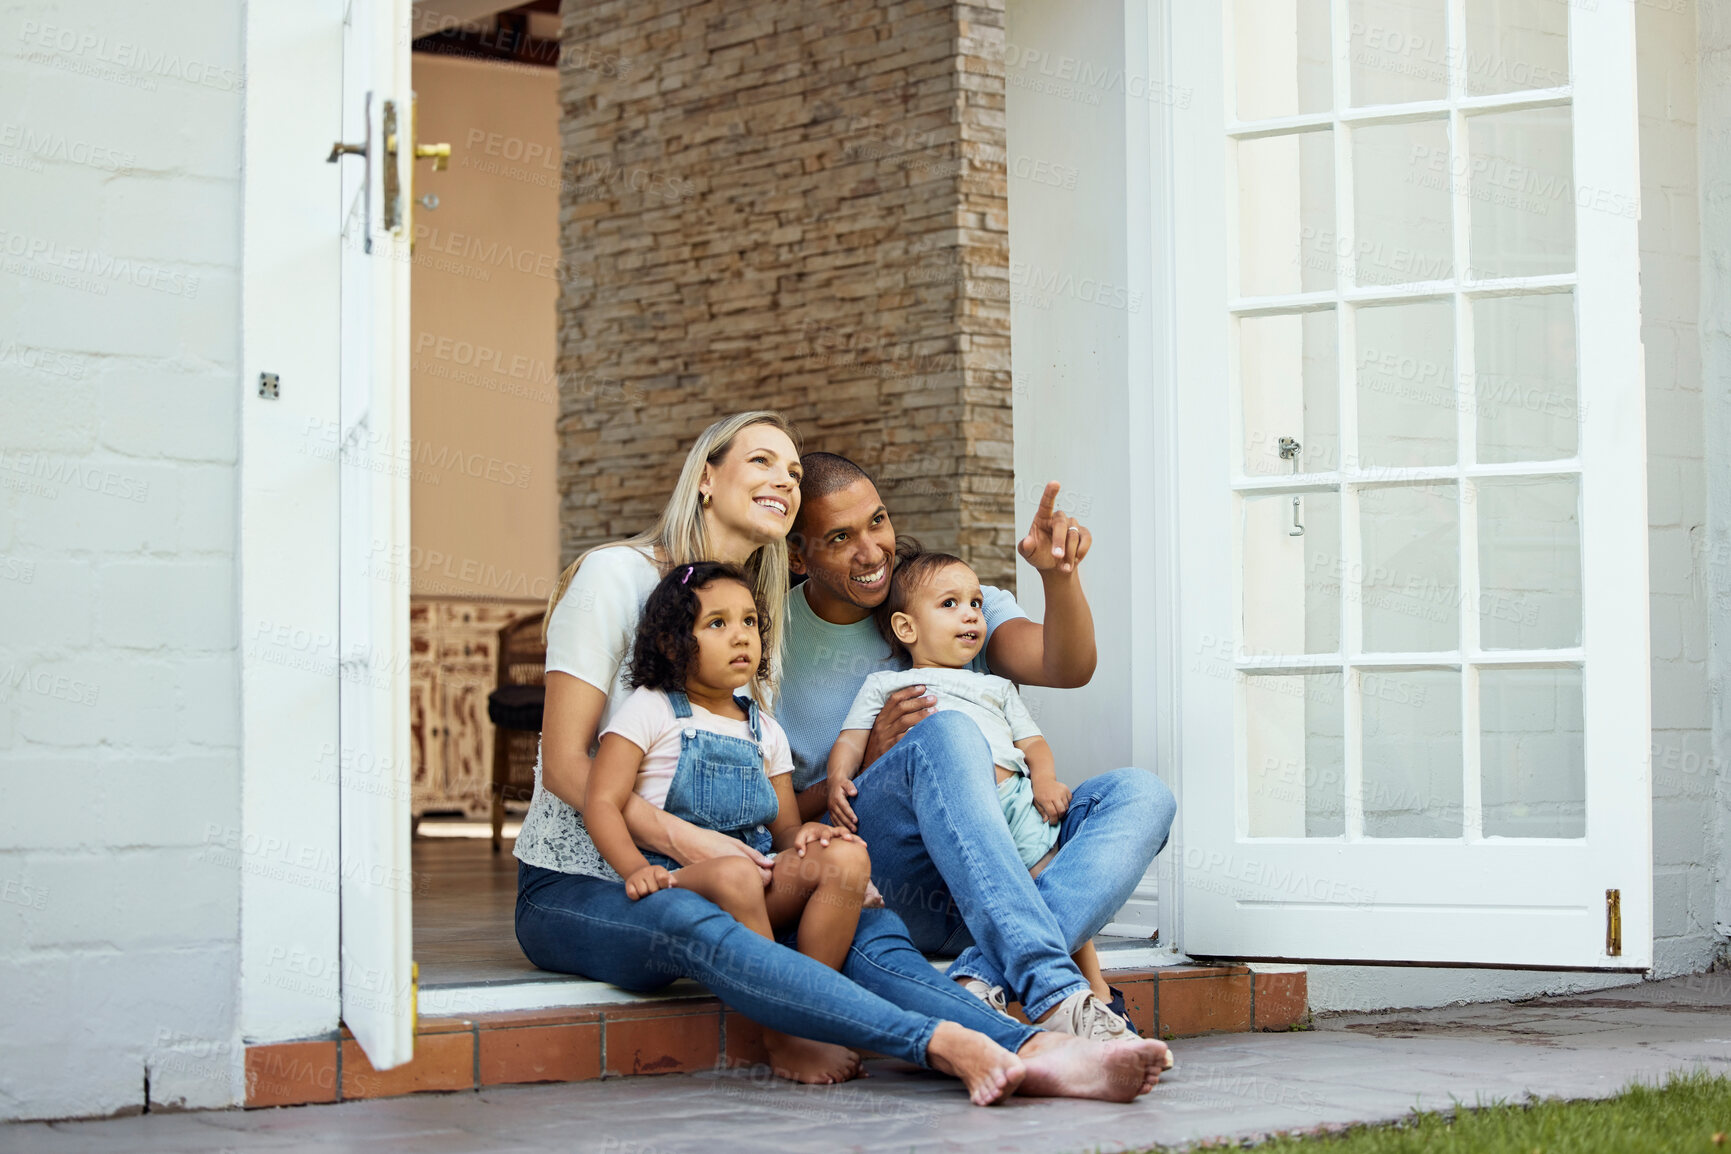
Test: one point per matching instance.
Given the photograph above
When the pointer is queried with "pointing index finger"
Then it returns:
(1047, 500)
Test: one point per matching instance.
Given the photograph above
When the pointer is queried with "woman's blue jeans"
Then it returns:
(943, 858)
(887, 997)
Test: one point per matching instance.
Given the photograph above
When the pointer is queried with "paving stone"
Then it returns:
(1350, 1068)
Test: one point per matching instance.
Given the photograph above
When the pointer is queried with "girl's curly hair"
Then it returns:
(666, 643)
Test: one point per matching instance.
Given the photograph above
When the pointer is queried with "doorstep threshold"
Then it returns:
(548, 991)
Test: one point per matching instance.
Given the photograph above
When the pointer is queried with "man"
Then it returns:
(926, 795)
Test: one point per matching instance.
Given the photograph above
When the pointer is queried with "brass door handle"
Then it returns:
(398, 215)
(341, 149)
(441, 154)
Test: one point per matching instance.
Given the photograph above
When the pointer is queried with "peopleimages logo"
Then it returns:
(101, 266)
(1085, 289)
(49, 470)
(55, 685)
(60, 148)
(96, 48)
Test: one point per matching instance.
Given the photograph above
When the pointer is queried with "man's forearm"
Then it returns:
(1068, 653)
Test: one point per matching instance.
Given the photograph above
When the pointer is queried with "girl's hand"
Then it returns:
(840, 790)
(822, 834)
(646, 881)
(1052, 799)
(696, 844)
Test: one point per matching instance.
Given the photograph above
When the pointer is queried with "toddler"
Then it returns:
(932, 618)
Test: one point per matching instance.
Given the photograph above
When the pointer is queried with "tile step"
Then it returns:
(576, 1031)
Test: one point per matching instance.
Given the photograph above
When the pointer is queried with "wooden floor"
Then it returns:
(464, 898)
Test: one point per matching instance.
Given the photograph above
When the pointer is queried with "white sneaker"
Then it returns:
(993, 996)
(1085, 1016)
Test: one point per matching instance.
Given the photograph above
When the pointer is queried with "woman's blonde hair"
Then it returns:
(681, 535)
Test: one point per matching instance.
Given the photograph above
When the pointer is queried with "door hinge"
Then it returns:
(414, 998)
(1614, 923)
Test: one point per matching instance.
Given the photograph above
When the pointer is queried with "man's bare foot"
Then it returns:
(1061, 1066)
(990, 1072)
(813, 1063)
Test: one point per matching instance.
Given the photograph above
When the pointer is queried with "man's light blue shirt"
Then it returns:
(824, 665)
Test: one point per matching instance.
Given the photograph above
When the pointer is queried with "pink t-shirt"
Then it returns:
(646, 720)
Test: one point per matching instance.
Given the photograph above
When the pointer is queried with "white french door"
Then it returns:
(378, 991)
(1411, 472)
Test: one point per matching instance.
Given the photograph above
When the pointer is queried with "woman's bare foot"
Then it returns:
(1060, 1066)
(813, 1063)
(990, 1072)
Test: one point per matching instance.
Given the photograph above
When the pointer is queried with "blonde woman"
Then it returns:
(735, 501)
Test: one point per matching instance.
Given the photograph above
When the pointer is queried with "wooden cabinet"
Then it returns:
(454, 647)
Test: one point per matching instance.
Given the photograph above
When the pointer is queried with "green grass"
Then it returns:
(1690, 1112)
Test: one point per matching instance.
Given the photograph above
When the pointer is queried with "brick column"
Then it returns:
(796, 205)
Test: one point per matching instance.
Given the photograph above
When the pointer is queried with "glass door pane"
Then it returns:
(1412, 753)
(1524, 389)
(1285, 198)
(1399, 50)
(1523, 197)
(1516, 44)
(1532, 753)
(1290, 379)
(1283, 58)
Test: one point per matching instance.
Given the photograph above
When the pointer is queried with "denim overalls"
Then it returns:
(719, 783)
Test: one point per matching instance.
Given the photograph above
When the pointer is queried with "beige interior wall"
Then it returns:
(484, 507)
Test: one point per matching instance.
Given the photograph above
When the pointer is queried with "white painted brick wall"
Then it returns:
(1684, 857)
(1713, 563)
(120, 126)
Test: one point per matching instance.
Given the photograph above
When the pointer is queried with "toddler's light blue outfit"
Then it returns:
(995, 706)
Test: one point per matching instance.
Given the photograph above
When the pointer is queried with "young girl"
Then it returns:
(686, 743)
(932, 618)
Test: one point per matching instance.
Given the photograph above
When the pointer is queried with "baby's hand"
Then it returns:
(1052, 799)
(646, 881)
(822, 834)
(840, 790)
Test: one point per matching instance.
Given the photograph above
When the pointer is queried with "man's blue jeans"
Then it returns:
(942, 856)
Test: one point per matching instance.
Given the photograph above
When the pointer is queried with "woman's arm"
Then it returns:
(568, 729)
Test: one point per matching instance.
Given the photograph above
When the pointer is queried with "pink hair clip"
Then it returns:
(688, 571)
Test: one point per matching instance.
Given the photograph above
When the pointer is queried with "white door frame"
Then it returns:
(1544, 898)
(287, 845)
(378, 986)
(295, 856)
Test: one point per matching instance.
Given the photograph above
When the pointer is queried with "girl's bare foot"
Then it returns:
(813, 1063)
(1061, 1066)
(990, 1072)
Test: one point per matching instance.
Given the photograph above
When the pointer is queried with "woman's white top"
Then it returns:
(589, 637)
